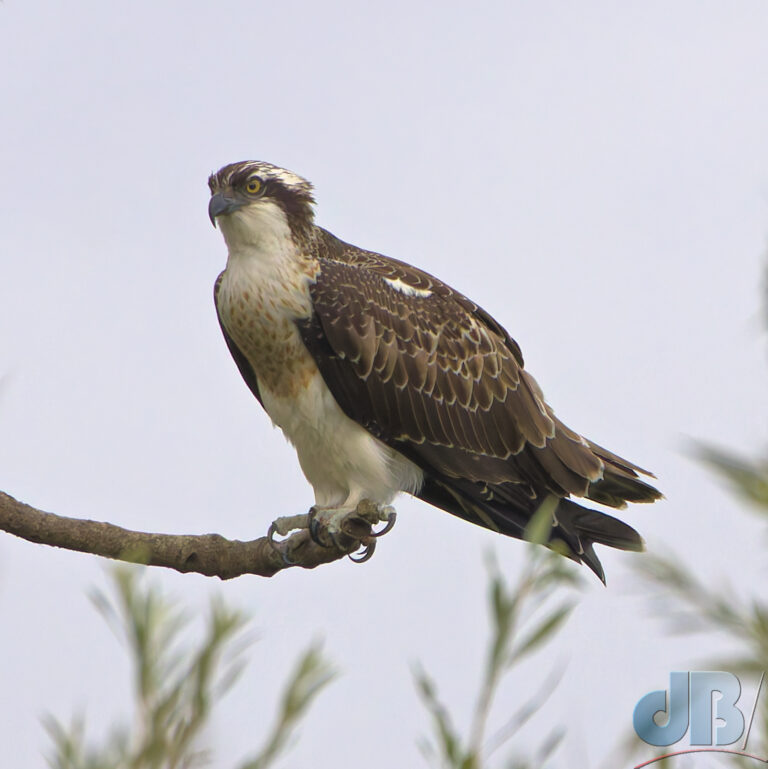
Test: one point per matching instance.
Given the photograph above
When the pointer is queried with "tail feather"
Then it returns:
(597, 527)
(575, 529)
(586, 527)
(620, 482)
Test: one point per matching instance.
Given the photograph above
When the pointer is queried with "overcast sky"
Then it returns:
(595, 174)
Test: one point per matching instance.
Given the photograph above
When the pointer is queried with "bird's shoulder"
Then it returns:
(352, 275)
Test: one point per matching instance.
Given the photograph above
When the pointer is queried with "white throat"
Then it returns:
(260, 229)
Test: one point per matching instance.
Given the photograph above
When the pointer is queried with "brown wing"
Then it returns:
(424, 368)
(434, 376)
(431, 374)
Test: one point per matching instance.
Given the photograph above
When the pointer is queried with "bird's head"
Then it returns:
(252, 201)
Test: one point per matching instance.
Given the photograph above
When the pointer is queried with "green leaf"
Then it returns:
(509, 605)
(748, 478)
(177, 683)
(311, 674)
(540, 524)
(543, 631)
(448, 741)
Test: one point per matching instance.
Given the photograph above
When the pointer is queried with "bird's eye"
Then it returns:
(253, 185)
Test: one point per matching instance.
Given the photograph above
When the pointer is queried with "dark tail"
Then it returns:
(580, 528)
(505, 509)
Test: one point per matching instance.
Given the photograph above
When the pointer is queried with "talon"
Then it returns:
(348, 530)
(284, 526)
(390, 522)
(315, 528)
(333, 534)
(284, 556)
(281, 548)
(370, 546)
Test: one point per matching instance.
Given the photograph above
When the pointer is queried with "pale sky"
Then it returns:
(594, 174)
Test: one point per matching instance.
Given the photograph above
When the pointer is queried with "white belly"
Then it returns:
(343, 461)
(263, 292)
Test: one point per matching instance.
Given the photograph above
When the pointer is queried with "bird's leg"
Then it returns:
(348, 529)
(298, 524)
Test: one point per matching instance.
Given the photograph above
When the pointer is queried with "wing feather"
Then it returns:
(433, 375)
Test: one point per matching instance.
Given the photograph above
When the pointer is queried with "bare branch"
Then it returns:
(208, 554)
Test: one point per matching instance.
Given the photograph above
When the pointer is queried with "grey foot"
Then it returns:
(351, 529)
(293, 528)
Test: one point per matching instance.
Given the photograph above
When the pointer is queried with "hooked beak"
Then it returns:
(221, 205)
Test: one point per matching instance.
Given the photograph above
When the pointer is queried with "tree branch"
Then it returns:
(208, 554)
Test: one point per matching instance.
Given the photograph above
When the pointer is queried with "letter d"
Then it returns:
(677, 713)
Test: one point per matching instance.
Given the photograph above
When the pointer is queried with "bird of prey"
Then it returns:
(387, 380)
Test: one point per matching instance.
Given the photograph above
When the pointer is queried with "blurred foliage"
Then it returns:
(690, 606)
(517, 630)
(176, 685)
(749, 479)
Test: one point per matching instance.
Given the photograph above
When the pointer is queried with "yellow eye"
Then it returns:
(253, 185)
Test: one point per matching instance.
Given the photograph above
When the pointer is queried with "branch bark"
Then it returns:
(208, 554)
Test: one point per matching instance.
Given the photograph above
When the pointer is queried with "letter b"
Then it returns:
(703, 686)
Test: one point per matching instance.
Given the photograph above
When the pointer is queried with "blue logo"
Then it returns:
(703, 704)
(690, 701)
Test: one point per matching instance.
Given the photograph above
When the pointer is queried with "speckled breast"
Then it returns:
(259, 312)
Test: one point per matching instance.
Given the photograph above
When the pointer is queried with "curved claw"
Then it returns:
(315, 527)
(284, 556)
(370, 546)
(284, 526)
(279, 547)
(345, 529)
(391, 519)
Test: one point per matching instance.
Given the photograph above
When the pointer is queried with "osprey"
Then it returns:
(386, 380)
